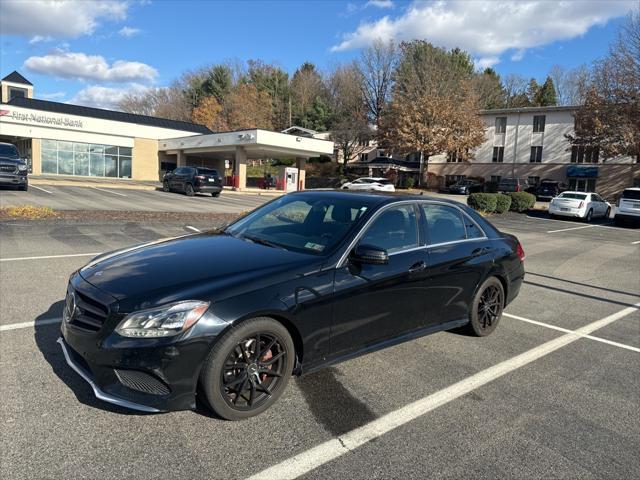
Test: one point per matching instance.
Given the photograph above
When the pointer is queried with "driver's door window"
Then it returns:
(395, 230)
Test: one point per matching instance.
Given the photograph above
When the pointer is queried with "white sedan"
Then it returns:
(579, 205)
(377, 184)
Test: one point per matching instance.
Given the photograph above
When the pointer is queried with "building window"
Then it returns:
(364, 157)
(582, 184)
(495, 178)
(454, 157)
(536, 154)
(501, 124)
(538, 123)
(498, 155)
(533, 181)
(84, 159)
(17, 93)
(582, 154)
(451, 179)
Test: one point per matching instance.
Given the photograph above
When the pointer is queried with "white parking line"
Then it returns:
(566, 330)
(330, 450)
(635, 243)
(15, 259)
(16, 326)
(40, 188)
(193, 229)
(572, 228)
(109, 191)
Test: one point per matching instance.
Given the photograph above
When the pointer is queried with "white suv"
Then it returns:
(628, 206)
(579, 205)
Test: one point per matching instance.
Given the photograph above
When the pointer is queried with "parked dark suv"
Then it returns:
(513, 185)
(191, 180)
(466, 187)
(13, 169)
(549, 189)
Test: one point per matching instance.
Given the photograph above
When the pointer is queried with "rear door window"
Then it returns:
(444, 224)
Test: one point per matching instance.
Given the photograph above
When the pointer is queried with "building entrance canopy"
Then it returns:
(239, 146)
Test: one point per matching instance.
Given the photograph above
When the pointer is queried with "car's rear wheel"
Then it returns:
(589, 216)
(486, 309)
(165, 186)
(188, 189)
(215, 194)
(248, 368)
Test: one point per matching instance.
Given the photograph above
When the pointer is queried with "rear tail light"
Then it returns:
(520, 252)
(517, 188)
(199, 177)
(581, 205)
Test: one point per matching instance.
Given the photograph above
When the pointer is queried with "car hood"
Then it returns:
(203, 266)
(10, 160)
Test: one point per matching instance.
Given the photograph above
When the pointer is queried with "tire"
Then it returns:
(589, 216)
(619, 222)
(188, 189)
(24, 188)
(165, 186)
(482, 323)
(215, 194)
(232, 349)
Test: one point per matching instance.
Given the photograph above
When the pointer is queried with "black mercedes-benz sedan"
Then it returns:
(305, 281)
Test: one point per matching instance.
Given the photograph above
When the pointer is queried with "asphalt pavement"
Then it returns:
(533, 400)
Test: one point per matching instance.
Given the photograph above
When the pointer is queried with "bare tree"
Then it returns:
(571, 85)
(376, 66)
(515, 87)
(168, 102)
(350, 130)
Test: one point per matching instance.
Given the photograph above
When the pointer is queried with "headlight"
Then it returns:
(22, 167)
(165, 321)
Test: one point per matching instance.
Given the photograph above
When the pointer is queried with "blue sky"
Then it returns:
(93, 52)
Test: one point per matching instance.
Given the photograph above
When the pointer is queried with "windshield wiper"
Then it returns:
(262, 241)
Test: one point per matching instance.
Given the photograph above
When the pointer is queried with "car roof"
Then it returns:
(575, 191)
(633, 188)
(375, 197)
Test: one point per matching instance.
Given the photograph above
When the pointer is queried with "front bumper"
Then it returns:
(75, 364)
(12, 179)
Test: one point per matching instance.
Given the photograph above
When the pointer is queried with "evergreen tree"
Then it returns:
(546, 95)
(532, 92)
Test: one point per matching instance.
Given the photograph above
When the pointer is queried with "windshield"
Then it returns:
(575, 196)
(9, 151)
(312, 224)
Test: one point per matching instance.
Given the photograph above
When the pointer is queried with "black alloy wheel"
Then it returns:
(486, 308)
(215, 194)
(165, 186)
(188, 189)
(248, 368)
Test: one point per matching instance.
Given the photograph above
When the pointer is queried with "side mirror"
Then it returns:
(369, 254)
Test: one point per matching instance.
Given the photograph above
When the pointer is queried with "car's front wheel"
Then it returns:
(248, 368)
(486, 309)
(165, 186)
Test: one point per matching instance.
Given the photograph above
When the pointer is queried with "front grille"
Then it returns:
(88, 314)
(142, 382)
(4, 168)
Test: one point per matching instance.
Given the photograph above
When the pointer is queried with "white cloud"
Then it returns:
(104, 97)
(380, 3)
(518, 55)
(488, 28)
(39, 39)
(486, 62)
(65, 18)
(80, 66)
(52, 96)
(128, 31)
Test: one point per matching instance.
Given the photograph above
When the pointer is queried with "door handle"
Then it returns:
(417, 267)
(480, 251)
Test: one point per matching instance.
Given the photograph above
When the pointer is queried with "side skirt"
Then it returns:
(304, 369)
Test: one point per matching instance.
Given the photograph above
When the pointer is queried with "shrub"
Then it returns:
(522, 201)
(484, 202)
(503, 202)
(409, 182)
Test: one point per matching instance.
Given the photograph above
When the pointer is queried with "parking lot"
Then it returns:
(64, 197)
(553, 393)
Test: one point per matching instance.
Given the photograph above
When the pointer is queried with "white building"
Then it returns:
(63, 139)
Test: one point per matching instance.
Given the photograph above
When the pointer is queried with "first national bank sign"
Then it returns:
(41, 119)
